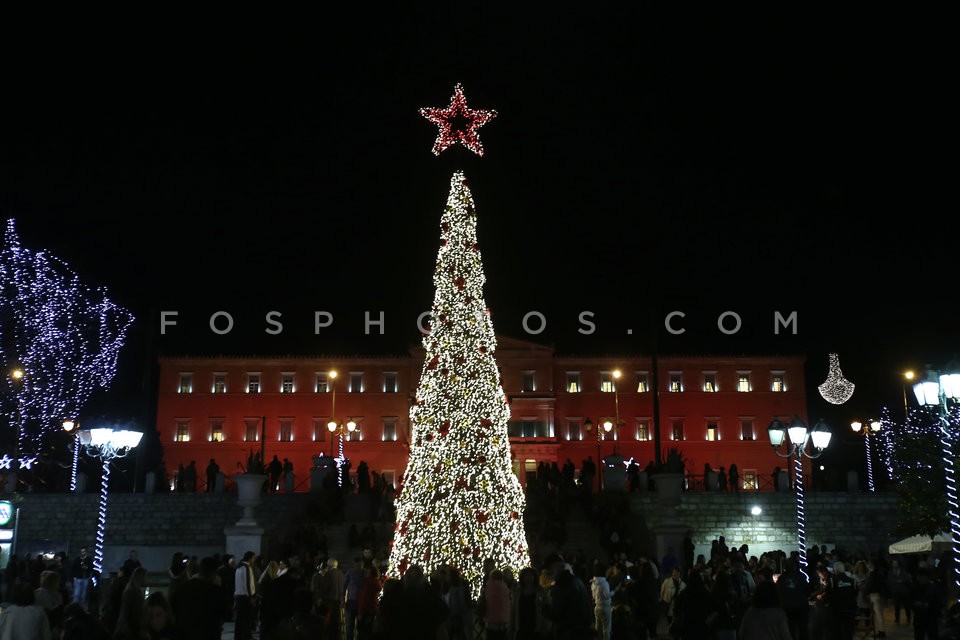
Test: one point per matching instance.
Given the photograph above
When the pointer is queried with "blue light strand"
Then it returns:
(76, 460)
(102, 519)
(801, 517)
(946, 442)
(866, 443)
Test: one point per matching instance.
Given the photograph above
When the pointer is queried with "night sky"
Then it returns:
(638, 165)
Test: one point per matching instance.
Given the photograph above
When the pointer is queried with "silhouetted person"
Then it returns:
(190, 477)
(212, 470)
(275, 468)
(722, 480)
(734, 478)
(199, 602)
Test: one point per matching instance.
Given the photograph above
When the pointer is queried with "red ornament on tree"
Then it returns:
(458, 123)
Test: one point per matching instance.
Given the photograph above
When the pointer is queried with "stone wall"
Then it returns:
(850, 521)
(194, 523)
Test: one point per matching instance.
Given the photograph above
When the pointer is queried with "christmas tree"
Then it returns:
(460, 503)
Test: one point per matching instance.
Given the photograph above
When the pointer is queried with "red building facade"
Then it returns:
(715, 409)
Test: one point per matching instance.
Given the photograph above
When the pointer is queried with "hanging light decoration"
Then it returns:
(836, 389)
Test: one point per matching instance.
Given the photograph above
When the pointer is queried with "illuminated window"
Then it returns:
(643, 382)
(573, 381)
(322, 384)
(320, 429)
(186, 383)
(183, 432)
(643, 429)
(746, 429)
(678, 430)
(216, 431)
(286, 383)
(389, 381)
(286, 430)
(712, 433)
(528, 381)
(574, 430)
(750, 480)
(356, 382)
(607, 383)
(219, 383)
(252, 429)
(389, 429)
(253, 383)
(676, 382)
(778, 382)
(709, 382)
(743, 381)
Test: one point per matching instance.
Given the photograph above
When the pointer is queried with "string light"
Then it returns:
(836, 389)
(64, 335)
(101, 519)
(460, 502)
(458, 123)
(801, 515)
(76, 460)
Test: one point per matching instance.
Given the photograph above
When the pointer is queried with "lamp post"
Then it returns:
(607, 427)
(106, 444)
(865, 430)
(334, 427)
(800, 443)
(937, 390)
(71, 426)
(908, 376)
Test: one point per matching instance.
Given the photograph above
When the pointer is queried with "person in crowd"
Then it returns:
(602, 602)
(725, 603)
(81, 574)
(22, 619)
(795, 595)
(131, 563)
(689, 548)
(691, 606)
(212, 470)
(926, 601)
(331, 589)
(764, 619)
(669, 589)
(899, 583)
(368, 600)
(49, 598)
(178, 571)
(275, 468)
(722, 480)
(496, 613)
(875, 586)
(199, 605)
(734, 474)
(158, 619)
(352, 579)
(526, 615)
(304, 623)
(276, 596)
(130, 619)
(244, 594)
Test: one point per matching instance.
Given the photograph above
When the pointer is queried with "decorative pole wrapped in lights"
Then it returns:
(71, 426)
(107, 444)
(797, 442)
(937, 390)
(865, 430)
(608, 426)
(333, 426)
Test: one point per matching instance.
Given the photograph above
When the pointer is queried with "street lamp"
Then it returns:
(106, 444)
(333, 426)
(71, 426)
(936, 390)
(607, 427)
(908, 376)
(803, 443)
(865, 430)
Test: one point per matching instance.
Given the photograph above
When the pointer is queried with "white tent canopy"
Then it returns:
(920, 544)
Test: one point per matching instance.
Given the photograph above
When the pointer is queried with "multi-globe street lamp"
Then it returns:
(937, 390)
(865, 430)
(796, 441)
(106, 444)
(338, 427)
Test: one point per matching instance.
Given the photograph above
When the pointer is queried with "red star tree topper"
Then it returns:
(458, 123)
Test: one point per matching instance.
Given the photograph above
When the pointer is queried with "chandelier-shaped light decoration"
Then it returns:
(458, 123)
(836, 389)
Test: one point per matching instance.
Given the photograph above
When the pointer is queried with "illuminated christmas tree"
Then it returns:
(62, 338)
(460, 502)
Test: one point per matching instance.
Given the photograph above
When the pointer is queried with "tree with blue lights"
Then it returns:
(63, 335)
